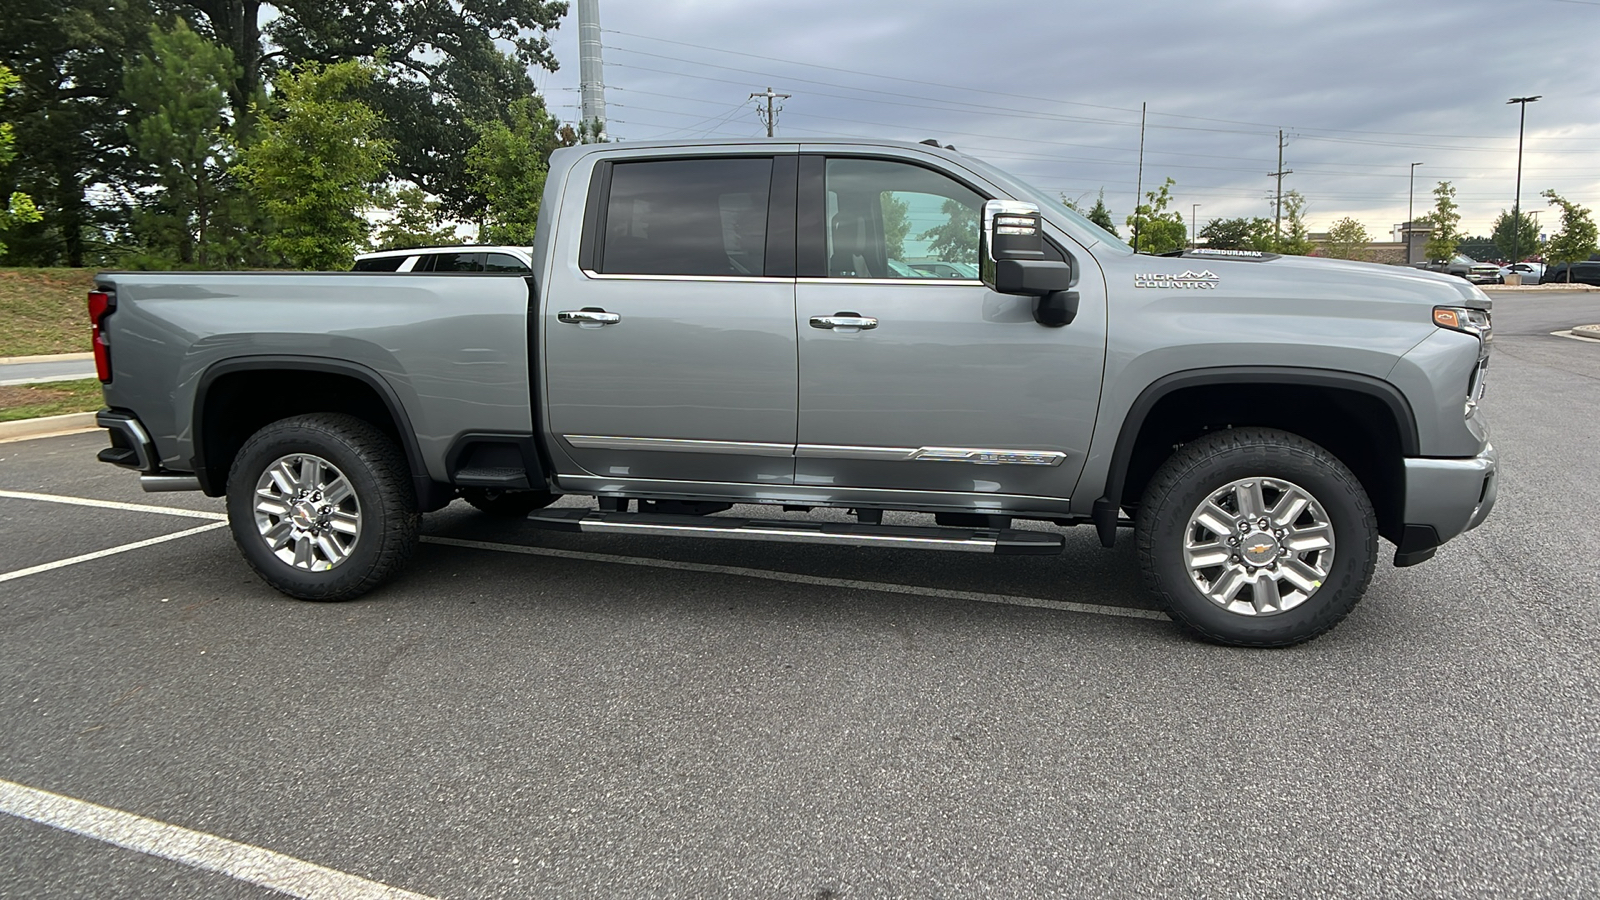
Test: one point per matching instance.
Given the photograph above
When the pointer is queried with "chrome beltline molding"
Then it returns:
(975, 455)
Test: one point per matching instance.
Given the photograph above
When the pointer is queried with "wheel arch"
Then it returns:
(1374, 429)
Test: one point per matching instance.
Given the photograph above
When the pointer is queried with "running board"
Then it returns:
(1004, 541)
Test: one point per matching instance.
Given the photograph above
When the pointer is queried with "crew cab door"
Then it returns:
(669, 336)
(912, 383)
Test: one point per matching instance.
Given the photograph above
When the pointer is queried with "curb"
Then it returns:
(48, 357)
(49, 426)
(1552, 287)
(1587, 332)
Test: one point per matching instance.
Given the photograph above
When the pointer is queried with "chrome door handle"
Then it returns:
(588, 318)
(844, 320)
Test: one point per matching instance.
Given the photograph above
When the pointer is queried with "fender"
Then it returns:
(426, 488)
(1106, 508)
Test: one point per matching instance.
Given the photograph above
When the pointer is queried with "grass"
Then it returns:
(44, 311)
(53, 398)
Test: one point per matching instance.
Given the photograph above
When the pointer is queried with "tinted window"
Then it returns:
(503, 262)
(887, 218)
(687, 217)
(451, 262)
(380, 264)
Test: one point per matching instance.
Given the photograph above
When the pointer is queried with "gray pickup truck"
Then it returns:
(710, 324)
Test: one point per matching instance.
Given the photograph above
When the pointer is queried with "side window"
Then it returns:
(503, 262)
(452, 262)
(687, 217)
(896, 220)
(379, 264)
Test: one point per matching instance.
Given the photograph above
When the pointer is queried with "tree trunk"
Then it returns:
(236, 24)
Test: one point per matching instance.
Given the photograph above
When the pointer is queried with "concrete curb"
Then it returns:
(1535, 288)
(49, 426)
(1587, 332)
(48, 357)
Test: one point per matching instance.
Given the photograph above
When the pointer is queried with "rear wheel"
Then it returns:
(322, 506)
(1256, 537)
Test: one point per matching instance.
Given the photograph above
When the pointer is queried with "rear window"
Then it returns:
(379, 264)
(687, 217)
(503, 262)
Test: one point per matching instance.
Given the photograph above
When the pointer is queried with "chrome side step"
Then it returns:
(1005, 541)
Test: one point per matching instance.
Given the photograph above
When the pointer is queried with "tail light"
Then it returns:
(100, 305)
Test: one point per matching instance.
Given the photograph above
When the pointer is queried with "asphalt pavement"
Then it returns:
(529, 714)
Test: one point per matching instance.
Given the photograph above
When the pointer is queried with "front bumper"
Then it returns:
(1445, 498)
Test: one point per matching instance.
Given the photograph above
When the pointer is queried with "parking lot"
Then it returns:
(533, 714)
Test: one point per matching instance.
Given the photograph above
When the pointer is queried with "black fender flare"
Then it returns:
(1107, 507)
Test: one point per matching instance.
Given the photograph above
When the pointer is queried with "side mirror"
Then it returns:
(1011, 260)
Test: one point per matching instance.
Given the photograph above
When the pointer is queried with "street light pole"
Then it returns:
(1516, 206)
(1411, 199)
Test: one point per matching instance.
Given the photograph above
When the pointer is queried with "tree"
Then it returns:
(413, 221)
(1237, 234)
(19, 207)
(896, 224)
(1348, 239)
(1576, 239)
(1445, 219)
(1480, 247)
(1511, 240)
(1154, 229)
(957, 239)
(1295, 237)
(318, 161)
(507, 167)
(1098, 214)
(177, 124)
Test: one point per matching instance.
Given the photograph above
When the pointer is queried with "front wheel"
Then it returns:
(322, 506)
(1256, 537)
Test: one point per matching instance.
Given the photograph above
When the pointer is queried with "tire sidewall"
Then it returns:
(1334, 488)
(288, 437)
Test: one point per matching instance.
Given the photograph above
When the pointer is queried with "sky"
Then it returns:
(1051, 91)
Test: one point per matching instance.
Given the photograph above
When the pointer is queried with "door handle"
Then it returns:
(844, 320)
(588, 317)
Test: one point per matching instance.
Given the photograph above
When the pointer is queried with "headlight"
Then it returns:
(1465, 319)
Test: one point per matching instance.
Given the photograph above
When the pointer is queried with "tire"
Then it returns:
(507, 504)
(1248, 586)
(322, 506)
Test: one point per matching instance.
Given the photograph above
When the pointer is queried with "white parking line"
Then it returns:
(101, 554)
(243, 862)
(740, 571)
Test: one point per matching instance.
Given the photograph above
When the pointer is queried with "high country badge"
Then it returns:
(1189, 280)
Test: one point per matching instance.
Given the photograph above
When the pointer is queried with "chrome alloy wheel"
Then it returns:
(307, 512)
(1259, 546)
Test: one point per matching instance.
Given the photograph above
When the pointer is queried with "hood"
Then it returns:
(1293, 279)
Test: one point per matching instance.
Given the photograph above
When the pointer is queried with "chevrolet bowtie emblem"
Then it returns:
(1260, 548)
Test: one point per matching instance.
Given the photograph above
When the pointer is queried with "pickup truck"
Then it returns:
(1464, 267)
(711, 324)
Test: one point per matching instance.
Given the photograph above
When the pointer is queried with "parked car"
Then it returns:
(716, 323)
(1582, 273)
(1463, 267)
(1530, 271)
(467, 258)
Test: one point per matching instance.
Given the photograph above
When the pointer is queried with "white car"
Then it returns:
(461, 258)
(1531, 272)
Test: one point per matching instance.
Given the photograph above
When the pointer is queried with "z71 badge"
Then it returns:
(1189, 280)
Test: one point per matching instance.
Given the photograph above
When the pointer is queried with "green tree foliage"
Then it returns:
(1156, 230)
(19, 208)
(1237, 234)
(317, 164)
(1480, 247)
(177, 124)
(1348, 239)
(957, 239)
(507, 167)
(414, 221)
(1100, 215)
(1294, 238)
(896, 224)
(1446, 221)
(1577, 237)
(1509, 239)
(69, 55)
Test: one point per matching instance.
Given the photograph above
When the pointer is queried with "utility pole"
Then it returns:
(1138, 184)
(1516, 207)
(770, 115)
(1194, 229)
(1277, 204)
(1411, 220)
(591, 77)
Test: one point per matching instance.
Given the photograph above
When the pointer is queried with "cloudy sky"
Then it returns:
(1051, 91)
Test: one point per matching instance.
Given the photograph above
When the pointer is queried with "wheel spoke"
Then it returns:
(302, 551)
(1301, 540)
(310, 472)
(1301, 575)
(344, 523)
(1208, 556)
(1289, 508)
(1265, 595)
(282, 477)
(268, 504)
(1252, 503)
(1224, 589)
(278, 535)
(337, 490)
(1214, 518)
(330, 549)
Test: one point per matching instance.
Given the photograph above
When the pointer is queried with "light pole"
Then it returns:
(1411, 199)
(1516, 206)
(1194, 233)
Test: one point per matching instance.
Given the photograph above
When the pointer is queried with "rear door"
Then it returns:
(670, 347)
(945, 385)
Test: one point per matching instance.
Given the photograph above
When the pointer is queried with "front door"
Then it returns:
(914, 380)
(671, 355)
